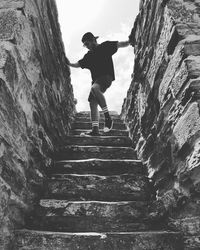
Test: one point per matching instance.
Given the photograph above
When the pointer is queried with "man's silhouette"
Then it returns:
(99, 61)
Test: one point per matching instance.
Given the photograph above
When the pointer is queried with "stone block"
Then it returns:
(192, 242)
(193, 65)
(187, 29)
(8, 23)
(188, 125)
(5, 193)
(192, 45)
(187, 226)
(191, 171)
(163, 41)
(13, 4)
(179, 80)
(187, 11)
(170, 72)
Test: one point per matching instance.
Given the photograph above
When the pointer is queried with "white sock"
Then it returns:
(95, 124)
(105, 109)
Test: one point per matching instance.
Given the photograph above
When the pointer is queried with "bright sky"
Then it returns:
(110, 20)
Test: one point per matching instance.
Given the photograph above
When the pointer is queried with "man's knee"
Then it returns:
(96, 88)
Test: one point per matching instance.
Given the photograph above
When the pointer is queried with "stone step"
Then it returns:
(87, 125)
(41, 240)
(116, 119)
(124, 187)
(114, 141)
(99, 167)
(87, 114)
(76, 152)
(93, 216)
(113, 132)
(157, 240)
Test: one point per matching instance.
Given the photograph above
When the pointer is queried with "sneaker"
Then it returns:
(108, 125)
(90, 133)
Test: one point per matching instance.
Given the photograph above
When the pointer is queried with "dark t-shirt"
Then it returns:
(99, 61)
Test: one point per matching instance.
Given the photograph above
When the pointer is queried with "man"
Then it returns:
(99, 61)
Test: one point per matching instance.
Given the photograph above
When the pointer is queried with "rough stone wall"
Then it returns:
(162, 109)
(36, 104)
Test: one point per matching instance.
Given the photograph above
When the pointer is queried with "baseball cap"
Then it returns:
(88, 37)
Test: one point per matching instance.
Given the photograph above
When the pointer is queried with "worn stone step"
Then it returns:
(41, 240)
(83, 216)
(87, 114)
(101, 119)
(76, 152)
(124, 187)
(99, 167)
(113, 132)
(122, 141)
(191, 242)
(87, 125)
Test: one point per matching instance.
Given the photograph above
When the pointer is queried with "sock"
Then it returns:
(106, 112)
(95, 126)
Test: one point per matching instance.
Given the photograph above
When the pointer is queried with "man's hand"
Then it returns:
(131, 40)
(67, 61)
(132, 36)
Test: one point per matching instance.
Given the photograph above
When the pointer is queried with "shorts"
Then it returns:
(104, 82)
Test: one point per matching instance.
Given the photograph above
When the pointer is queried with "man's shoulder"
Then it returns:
(105, 43)
(108, 43)
(88, 54)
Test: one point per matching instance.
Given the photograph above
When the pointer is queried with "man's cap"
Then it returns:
(88, 37)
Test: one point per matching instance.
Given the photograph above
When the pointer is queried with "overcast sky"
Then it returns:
(110, 20)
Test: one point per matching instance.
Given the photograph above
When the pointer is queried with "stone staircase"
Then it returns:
(96, 198)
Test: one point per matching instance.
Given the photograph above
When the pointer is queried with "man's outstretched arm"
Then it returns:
(123, 44)
(74, 65)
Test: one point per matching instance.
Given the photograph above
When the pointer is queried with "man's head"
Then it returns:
(89, 40)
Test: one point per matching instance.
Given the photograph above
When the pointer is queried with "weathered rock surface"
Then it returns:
(99, 166)
(162, 107)
(106, 140)
(99, 241)
(76, 152)
(97, 203)
(90, 216)
(95, 187)
(87, 125)
(13, 4)
(36, 104)
(113, 132)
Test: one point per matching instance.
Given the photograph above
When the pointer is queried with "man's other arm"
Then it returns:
(74, 65)
(123, 44)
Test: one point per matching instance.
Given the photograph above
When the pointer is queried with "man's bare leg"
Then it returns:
(94, 115)
(96, 90)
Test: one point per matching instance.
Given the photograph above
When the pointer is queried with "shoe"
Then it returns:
(108, 125)
(90, 133)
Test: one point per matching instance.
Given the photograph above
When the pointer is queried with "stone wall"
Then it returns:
(162, 109)
(36, 104)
